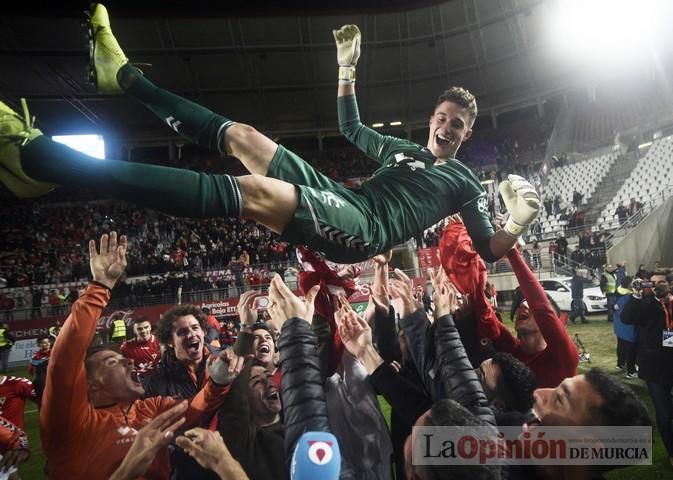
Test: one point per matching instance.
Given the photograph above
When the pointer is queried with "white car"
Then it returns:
(559, 289)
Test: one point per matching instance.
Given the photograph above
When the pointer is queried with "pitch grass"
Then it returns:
(597, 337)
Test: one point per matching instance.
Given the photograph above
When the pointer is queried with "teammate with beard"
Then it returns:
(415, 187)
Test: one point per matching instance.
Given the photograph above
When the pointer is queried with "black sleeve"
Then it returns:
(404, 397)
(243, 344)
(234, 421)
(323, 334)
(631, 311)
(385, 336)
(455, 372)
(302, 392)
(420, 341)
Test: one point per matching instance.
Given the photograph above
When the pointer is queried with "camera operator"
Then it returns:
(651, 310)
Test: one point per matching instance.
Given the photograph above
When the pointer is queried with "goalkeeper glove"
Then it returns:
(347, 40)
(522, 202)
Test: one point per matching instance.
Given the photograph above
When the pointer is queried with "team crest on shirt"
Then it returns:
(402, 160)
(482, 204)
(128, 435)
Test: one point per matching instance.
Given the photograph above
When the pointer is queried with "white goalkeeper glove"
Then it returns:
(347, 40)
(522, 202)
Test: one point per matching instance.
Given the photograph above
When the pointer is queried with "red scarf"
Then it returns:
(467, 271)
(324, 276)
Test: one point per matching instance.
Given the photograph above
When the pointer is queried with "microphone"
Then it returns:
(316, 456)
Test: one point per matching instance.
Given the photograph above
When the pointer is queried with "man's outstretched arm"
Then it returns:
(369, 141)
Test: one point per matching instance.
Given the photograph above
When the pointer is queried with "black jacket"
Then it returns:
(442, 363)
(172, 379)
(655, 362)
(302, 393)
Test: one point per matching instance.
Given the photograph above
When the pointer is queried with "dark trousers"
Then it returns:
(626, 354)
(611, 304)
(663, 406)
(577, 309)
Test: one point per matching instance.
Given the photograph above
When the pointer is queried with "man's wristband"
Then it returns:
(514, 228)
(347, 74)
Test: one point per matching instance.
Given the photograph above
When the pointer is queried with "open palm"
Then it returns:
(355, 333)
(108, 264)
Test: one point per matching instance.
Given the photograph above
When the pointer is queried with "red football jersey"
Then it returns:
(13, 394)
(145, 355)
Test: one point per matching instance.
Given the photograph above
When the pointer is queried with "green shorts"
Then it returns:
(330, 218)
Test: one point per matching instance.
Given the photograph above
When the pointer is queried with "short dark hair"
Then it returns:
(621, 406)
(263, 326)
(140, 319)
(459, 96)
(518, 299)
(447, 412)
(164, 331)
(93, 350)
(626, 282)
(516, 383)
(39, 339)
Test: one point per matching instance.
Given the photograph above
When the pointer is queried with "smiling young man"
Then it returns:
(93, 404)
(182, 371)
(144, 348)
(415, 187)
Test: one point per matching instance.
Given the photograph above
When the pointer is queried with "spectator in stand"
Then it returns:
(143, 349)
(212, 328)
(36, 301)
(536, 257)
(7, 341)
(627, 334)
(642, 272)
(577, 199)
(623, 214)
(562, 248)
(634, 207)
(228, 333)
(577, 294)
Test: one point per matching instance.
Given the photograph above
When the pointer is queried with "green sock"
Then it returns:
(189, 119)
(174, 191)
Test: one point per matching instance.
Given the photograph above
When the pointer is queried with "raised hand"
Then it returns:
(522, 202)
(210, 451)
(347, 40)
(150, 439)
(246, 307)
(283, 304)
(108, 264)
(383, 258)
(445, 294)
(355, 333)
(225, 368)
(401, 288)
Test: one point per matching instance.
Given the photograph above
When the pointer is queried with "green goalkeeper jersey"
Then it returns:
(409, 192)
